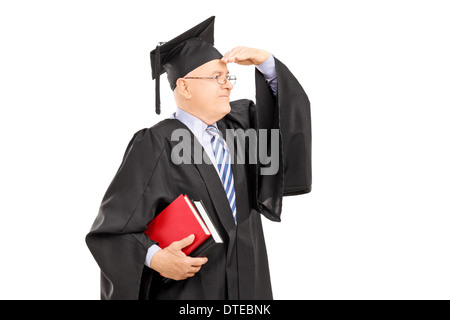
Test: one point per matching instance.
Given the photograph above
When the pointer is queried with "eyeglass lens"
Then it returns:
(223, 79)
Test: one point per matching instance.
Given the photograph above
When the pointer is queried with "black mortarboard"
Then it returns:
(183, 54)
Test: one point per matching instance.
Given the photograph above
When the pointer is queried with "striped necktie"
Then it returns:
(223, 160)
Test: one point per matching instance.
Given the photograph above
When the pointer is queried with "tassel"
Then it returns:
(157, 74)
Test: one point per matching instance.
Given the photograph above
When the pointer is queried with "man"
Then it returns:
(234, 193)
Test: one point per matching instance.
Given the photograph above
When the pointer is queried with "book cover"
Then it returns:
(177, 221)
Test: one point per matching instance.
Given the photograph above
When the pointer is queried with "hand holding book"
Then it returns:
(183, 228)
(172, 263)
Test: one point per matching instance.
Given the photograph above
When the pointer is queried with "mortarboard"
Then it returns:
(183, 54)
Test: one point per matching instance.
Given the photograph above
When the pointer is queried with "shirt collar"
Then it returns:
(197, 126)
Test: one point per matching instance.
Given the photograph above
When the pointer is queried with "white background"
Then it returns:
(75, 84)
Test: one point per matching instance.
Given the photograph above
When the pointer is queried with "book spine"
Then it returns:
(201, 251)
(196, 244)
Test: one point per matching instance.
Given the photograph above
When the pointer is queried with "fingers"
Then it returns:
(190, 268)
(177, 265)
(193, 266)
(197, 261)
(234, 55)
(232, 51)
(183, 242)
(192, 271)
(246, 56)
(195, 269)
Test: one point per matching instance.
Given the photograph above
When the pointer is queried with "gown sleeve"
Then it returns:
(116, 239)
(289, 112)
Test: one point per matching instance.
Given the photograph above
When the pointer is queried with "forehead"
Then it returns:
(213, 66)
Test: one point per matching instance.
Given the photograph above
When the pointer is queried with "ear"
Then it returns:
(183, 88)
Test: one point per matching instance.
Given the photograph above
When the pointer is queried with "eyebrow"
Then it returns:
(220, 72)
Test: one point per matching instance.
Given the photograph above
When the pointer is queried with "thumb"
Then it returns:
(183, 242)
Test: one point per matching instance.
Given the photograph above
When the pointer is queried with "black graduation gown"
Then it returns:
(147, 181)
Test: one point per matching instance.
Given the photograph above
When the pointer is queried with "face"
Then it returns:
(210, 101)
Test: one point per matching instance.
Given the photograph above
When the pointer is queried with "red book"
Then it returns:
(177, 221)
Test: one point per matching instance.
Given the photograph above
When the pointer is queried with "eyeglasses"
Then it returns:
(222, 79)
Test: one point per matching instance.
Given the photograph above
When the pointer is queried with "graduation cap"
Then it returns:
(183, 54)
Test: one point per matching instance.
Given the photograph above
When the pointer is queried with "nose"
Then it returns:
(228, 85)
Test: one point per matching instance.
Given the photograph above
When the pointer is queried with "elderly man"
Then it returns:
(235, 193)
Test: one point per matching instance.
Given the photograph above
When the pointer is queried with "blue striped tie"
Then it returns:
(223, 159)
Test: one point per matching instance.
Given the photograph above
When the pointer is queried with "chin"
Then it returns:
(227, 109)
(223, 111)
